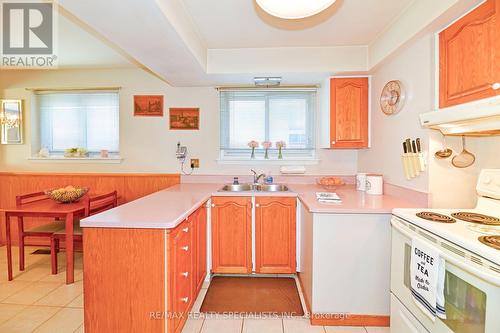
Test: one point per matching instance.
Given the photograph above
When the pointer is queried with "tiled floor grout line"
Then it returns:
(60, 309)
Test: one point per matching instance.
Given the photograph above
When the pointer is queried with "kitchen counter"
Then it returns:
(167, 208)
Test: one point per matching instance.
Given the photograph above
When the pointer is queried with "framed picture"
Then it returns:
(184, 118)
(148, 105)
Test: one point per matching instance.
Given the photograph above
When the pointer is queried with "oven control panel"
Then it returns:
(488, 184)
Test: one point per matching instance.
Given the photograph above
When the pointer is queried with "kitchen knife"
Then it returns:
(421, 158)
(404, 158)
(413, 156)
(408, 157)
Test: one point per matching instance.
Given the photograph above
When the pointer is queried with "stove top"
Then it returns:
(436, 217)
(476, 218)
(462, 233)
(491, 241)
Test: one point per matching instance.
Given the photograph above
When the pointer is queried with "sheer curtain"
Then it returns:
(81, 119)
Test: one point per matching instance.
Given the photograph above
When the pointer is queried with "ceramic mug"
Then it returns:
(374, 184)
(361, 182)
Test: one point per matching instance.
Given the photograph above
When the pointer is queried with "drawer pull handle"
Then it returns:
(185, 248)
(257, 205)
(495, 86)
(185, 229)
(213, 205)
(185, 299)
(333, 142)
(185, 274)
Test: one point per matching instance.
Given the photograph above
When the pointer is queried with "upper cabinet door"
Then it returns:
(349, 112)
(469, 57)
(231, 234)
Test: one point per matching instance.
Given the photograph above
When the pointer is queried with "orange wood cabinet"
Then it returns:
(201, 247)
(275, 234)
(469, 56)
(349, 112)
(231, 234)
(180, 273)
(127, 286)
(187, 266)
(124, 280)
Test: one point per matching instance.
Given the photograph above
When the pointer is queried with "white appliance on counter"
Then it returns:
(469, 241)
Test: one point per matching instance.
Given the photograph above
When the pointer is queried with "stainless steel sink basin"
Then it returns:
(272, 188)
(237, 188)
(252, 187)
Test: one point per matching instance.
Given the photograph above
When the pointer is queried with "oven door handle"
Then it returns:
(488, 277)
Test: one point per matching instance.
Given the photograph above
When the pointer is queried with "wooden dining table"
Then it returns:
(46, 208)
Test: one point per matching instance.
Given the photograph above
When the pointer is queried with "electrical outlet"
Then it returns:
(195, 163)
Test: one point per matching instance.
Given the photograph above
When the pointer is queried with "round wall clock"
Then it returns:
(392, 97)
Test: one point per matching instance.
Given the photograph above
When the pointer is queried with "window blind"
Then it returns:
(267, 116)
(79, 119)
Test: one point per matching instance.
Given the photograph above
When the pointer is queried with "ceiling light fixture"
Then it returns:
(267, 81)
(294, 9)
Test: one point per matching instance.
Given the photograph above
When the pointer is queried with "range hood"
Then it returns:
(481, 118)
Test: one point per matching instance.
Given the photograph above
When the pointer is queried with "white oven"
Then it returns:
(472, 287)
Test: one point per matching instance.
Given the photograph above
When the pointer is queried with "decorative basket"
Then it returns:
(67, 194)
(330, 183)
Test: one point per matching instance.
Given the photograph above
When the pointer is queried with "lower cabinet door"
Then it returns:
(231, 235)
(275, 234)
(180, 272)
(201, 247)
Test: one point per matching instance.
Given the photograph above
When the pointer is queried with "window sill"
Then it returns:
(93, 159)
(257, 161)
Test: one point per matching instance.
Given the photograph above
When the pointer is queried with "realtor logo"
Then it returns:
(28, 30)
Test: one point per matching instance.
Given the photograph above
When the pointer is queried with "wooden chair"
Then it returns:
(42, 230)
(96, 205)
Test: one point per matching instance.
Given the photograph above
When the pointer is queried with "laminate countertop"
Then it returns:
(169, 207)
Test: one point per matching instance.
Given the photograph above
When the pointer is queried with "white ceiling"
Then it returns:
(211, 42)
(79, 46)
(242, 24)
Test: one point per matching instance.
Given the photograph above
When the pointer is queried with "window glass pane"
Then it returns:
(102, 123)
(87, 120)
(288, 121)
(246, 122)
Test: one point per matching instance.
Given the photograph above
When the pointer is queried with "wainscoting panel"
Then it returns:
(129, 186)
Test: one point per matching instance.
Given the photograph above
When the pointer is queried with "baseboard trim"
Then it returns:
(332, 319)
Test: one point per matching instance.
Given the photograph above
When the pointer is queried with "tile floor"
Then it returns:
(36, 301)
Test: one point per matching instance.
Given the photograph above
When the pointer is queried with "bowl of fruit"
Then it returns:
(67, 194)
(330, 183)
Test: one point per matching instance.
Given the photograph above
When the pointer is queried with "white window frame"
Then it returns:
(290, 156)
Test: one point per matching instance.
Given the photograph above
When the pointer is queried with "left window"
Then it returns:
(87, 120)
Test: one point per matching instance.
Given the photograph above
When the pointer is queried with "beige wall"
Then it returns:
(147, 145)
(450, 187)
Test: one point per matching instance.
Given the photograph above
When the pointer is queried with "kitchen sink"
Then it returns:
(237, 187)
(252, 187)
(272, 188)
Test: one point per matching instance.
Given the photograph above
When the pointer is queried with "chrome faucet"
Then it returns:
(256, 177)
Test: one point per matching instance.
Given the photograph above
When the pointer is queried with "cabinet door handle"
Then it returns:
(185, 274)
(185, 299)
(495, 86)
(185, 229)
(185, 248)
(333, 142)
(257, 205)
(213, 205)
